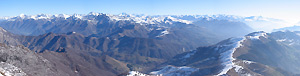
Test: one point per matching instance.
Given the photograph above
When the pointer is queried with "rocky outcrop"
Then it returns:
(19, 60)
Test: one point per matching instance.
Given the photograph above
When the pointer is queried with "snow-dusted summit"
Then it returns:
(257, 22)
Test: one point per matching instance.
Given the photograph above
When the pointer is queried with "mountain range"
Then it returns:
(109, 45)
(89, 23)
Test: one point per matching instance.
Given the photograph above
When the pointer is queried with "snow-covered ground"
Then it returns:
(227, 50)
(163, 33)
(136, 73)
(167, 71)
(175, 71)
(256, 35)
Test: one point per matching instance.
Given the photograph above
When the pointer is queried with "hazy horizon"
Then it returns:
(279, 9)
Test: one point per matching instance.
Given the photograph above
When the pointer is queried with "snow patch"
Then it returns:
(163, 33)
(189, 54)
(288, 41)
(78, 16)
(281, 40)
(175, 71)
(62, 16)
(179, 20)
(248, 62)
(159, 28)
(256, 35)
(136, 73)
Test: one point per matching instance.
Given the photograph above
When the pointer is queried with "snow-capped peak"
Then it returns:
(40, 16)
(178, 20)
(62, 16)
(141, 19)
(77, 16)
(256, 22)
(22, 16)
(163, 33)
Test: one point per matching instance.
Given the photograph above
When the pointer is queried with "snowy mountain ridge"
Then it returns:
(259, 23)
(228, 48)
(227, 51)
(155, 19)
(142, 19)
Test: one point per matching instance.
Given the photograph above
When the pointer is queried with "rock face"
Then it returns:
(19, 60)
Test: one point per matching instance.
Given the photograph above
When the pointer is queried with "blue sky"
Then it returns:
(282, 9)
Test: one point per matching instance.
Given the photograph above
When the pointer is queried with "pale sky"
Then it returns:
(288, 10)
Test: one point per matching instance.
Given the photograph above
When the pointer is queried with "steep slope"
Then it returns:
(255, 54)
(19, 60)
(128, 52)
(111, 55)
(286, 51)
(135, 46)
(73, 56)
(8, 38)
(290, 38)
(55, 42)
